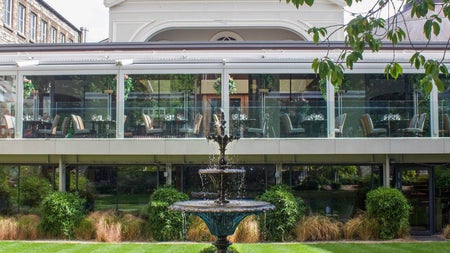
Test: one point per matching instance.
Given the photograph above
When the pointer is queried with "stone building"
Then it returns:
(34, 21)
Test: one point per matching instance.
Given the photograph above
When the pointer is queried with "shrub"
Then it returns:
(28, 227)
(278, 223)
(8, 229)
(212, 249)
(198, 231)
(61, 212)
(310, 185)
(446, 232)
(390, 209)
(33, 189)
(247, 231)
(361, 227)
(317, 228)
(165, 224)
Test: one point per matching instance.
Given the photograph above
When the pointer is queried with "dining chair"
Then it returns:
(446, 121)
(418, 129)
(290, 130)
(52, 130)
(262, 131)
(64, 128)
(149, 128)
(78, 125)
(339, 125)
(8, 124)
(369, 129)
(217, 124)
(195, 128)
(412, 123)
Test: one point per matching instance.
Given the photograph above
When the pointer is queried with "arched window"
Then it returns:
(226, 36)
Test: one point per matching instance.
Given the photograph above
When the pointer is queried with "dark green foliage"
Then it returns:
(280, 222)
(33, 190)
(165, 225)
(61, 212)
(212, 249)
(390, 208)
(310, 185)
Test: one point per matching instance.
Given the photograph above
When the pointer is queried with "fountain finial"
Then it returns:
(222, 139)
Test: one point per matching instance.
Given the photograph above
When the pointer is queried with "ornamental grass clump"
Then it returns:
(318, 228)
(28, 227)
(8, 229)
(361, 227)
(277, 225)
(390, 209)
(198, 231)
(446, 232)
(247, 231)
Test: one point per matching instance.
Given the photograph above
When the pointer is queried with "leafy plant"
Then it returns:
(33, 189)
(61, 212)
(28, 87)
(232, 85)
(212, 249)
(165, 224)
(390, 208)
(279, 223)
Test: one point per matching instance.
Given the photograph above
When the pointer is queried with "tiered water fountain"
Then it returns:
(222, 215)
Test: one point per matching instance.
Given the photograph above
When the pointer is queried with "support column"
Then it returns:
(168, 174)
(62, 175)
(330, 110)
(279, 173)
(434, 112)
(386, 172)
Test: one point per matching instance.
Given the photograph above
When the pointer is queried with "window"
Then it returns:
(52, 35)
(8, 12)
(62, 38)
(43, 31)
(22, 18)
(33, 24)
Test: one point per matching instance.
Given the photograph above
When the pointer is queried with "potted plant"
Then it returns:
(28, 87)
(231, 83)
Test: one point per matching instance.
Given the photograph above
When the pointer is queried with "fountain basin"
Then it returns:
(222, 220)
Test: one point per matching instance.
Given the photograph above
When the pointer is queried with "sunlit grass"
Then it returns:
(337, 247)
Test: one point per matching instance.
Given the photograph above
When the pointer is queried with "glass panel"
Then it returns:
(170, 105)
(87, 101)
(444, 109)
(7, 106)
(415, 186)
(336, 191)
(442, 181)
(277, 105)
(376, 107)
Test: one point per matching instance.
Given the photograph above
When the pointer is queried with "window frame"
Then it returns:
(21, 18)
(53, 34)
(8, 13)
(44, 26)
(33, 26)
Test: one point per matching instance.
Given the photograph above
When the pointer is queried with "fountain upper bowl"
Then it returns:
(233, 206)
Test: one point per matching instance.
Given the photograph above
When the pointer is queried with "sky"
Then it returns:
(93, 15)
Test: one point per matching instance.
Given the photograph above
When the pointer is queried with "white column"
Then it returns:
(62, 175)
(434, 112)
(330, 110)
(168, 174)
(226, 96)
(386, 172)
(120, 103)
(279, 173)
(19, 106)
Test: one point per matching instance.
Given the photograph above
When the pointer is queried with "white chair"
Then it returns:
(149, 129)
(8, 125)
(52, 130)
(339, 125)
(78, 126)
(290, 130)
(418, 129)
(195, 128)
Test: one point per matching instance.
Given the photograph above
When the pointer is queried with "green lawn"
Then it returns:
(339, 247)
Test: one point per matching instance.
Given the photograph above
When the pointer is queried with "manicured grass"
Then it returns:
(338, 247)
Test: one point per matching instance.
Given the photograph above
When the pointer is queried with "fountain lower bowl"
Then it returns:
(233, 206)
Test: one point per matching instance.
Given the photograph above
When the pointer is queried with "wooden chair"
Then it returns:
(78, 125)
(149, 129)
(64, 128)
(290, 130)
(52, 130)
(195, 128)
(217, 124)
(418, 129)
(339, 125)
(446, 121)
(8, 125)
(369, 129)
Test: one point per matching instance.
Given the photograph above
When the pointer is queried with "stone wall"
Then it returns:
(11, 34)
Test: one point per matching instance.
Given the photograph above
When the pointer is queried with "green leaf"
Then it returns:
(436, 28)
(427, 28)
